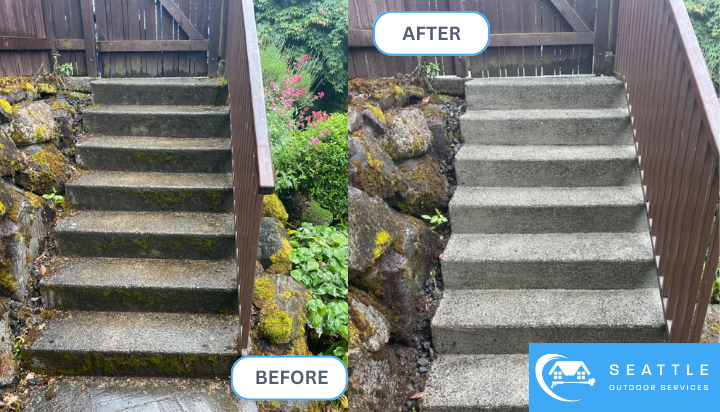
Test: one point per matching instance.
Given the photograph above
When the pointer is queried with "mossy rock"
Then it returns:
(315, 214)
(425, 187)
(368, 328)
(281, 295)
(7, 199)
(409, 135)
(8, 286)
(6, 114)
(273, 207)
(275, 324)
(47, 169)
(371, 169)
(33, 123)
(10, 159)
(274, 247)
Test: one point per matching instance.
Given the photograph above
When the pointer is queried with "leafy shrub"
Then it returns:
(705, 17)
(278, 64)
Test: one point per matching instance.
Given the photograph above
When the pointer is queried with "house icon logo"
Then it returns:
(562, 372)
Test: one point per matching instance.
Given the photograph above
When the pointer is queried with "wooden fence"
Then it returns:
(117, 38)
(676, 120)
(527, 37)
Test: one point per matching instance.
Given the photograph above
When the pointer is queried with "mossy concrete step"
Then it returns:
(469, 322)
(157, 235)
(182, 192)
(566, 166)
(156, 91)
(155, 154)
(470, 383)
(598, 127)
(138, 344)
(549, 261)
(542, 92)
(158, 121)
(548, 210)
(141, 285)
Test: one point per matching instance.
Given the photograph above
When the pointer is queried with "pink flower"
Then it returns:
(304, 58)
(326, 131)
(317, 164)
(314, 141)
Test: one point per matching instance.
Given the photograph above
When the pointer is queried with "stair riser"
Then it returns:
(518, 96)
(566, 131)
(131, 299)
(549, 275)
(508, 173)
(132, 364)
(148, 245)
(581, 219)
(208, 124)
(468, 341)
(159, 160)
(150, 200)
(145, 94)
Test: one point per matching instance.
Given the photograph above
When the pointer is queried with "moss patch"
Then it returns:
(264, 289)
(382, 241)
(273, 207)
(5, 105)
(281, 260)
(8, 286)
(275, 324)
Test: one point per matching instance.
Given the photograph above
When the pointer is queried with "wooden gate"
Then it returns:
(527, 37)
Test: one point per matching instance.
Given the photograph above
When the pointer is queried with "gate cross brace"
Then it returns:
(570, 15)
(182, 20)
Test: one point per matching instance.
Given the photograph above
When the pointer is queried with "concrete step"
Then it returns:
(542, 92)
(141, 285)
(138, 344)
(567, 166)
(158, 121)
(505, 321)
(599, 127)
(155, 154)
(156, 91)
(157, 235)
(549, 261)
(548, 210)
(181, 192)
(470, 383)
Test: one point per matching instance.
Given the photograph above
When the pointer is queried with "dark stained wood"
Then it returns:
(215, 23)
(49, 31)
(88, 28)
(70, 44)
(570, 15)
(153, 45)
(24, 43)
(360, 38)
(541, 39)
(182, 19)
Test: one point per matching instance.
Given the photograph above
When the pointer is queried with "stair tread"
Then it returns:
(544, 114)
(549, 247)
(135, 332)
(538, 308)
(158, 109)
(547, 196)
(171, 223)
(165, 81)
(479, 152)
(208, 181)
(477, 382)
(157, 143)
(111, 273)
(570, 80)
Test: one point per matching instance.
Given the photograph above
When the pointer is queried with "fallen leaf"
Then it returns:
(426, 100)
(440, 257)
(42, 270)
(30, 376)
(418, 395)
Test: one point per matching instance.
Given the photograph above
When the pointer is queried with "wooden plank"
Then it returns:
(70, 44)
(215, 24)
(202, 16)
(360, 38)
(75, 26)
(150, 59)
(49, 29)
(170, 59)
(601, 39)
(24, 43)
(89, 35)
(541, 39)
(116, 32)
(133, 33)
(570, 15)
(183, 57)
(182, 20)
(102, 35)
(153, 46)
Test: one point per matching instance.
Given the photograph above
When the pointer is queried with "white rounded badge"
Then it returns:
(431, 33)
(268, 378)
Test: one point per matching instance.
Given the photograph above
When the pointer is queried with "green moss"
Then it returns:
(360, 329)
(299, 348)
(142, 242)
(264, 289)
(51, 165)
(129, 365)
(273, 207)
(45, 88)
(378, 112)
(154, 156)
(213, 197)
(281, 260)
(172, 245)
(382, 241)
(204, 245)
(289, 294)
(5, 105)
(139, 118)
(117, 243)
(164, 198)
(8, 286)
(275, 324)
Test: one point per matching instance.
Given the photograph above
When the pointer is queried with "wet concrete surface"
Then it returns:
(93, 394)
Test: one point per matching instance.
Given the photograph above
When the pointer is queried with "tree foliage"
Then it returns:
(705, 17)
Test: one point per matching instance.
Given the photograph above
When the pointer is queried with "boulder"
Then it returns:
(46, 169)
(6, 114)
(283, 307)
(374, 118)
(370, 168)
(9, 367)
(7, 198)
(23, 229)
(33, 123)
(441, 141)
(13, 95)
(369, 329)
(273, 207)
(302, 209)
(424, 187)
(381, 381)
(63, 113)
(355, 120)
(409, 135)
(10, 159)
(274, 247)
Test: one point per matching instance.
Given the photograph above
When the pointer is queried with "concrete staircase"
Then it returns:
(145, 279)
(550, 239)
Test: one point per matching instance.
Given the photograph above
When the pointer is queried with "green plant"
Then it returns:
(66, 68)
(278, 63)
(339, 350)
(56, 198)
(432, 69)
(330, 318)
(436, 220)
(705, 17)
(716, 288)
(18, 346)
(320, 257)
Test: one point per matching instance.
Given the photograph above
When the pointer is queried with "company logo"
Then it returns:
(562, 373)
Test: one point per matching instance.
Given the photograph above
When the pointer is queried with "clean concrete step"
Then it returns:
(542, 92)
(470, 383)
(181, 192)
(506, 321)
(547, 127)
(549, 261)
(165, 235)
(155, 154)
(158, 121)
(138, 344)
(566, 166)
(141, 285)
(157, 91)
(548, 210)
